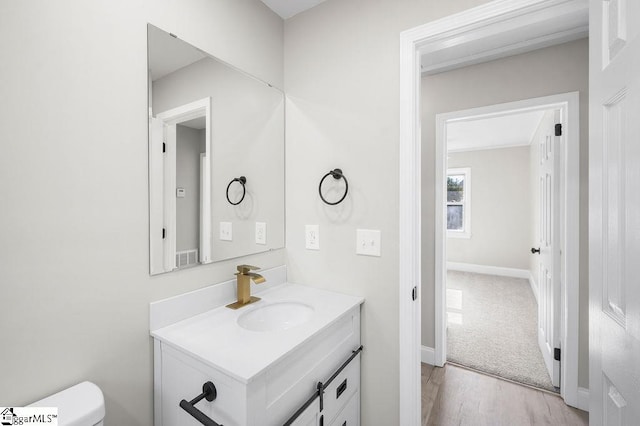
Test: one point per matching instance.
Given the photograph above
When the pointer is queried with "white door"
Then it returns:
(614, 212)
(549, 269)
(205, 209)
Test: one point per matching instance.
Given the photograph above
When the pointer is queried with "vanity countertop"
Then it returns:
(216, 339)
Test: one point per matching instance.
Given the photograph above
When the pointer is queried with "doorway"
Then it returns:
(502, 239)
(179, 187)
(466, 33)
(557, 325)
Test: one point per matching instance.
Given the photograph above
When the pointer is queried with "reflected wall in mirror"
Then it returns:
(209, 126)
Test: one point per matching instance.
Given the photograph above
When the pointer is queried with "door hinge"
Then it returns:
(556, 354)
(559, 129)
(164, 233)
(414, 293)
(164, 147)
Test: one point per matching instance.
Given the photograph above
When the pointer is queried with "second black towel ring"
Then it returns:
(336, 174)
(242, 181)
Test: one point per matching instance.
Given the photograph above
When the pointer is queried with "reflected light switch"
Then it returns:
(226, 231)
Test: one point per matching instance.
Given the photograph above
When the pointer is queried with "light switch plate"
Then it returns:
(261, 233)
(180, 192)
(312, 237)
(226, 231)
(368, 242)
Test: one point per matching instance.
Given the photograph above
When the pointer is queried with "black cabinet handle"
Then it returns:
(209, 393)
(341, 388)
(535, 250)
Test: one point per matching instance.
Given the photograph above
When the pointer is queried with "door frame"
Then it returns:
(162, 184)
(462, 27)
(568, 239)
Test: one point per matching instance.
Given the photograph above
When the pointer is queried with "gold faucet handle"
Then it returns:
(244, 269)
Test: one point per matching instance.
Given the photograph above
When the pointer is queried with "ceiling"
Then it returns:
(495, 132)
(288, 8)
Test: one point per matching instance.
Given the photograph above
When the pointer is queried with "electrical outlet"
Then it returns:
(312, 237)
(261, 233)
(226, 231)
(368, 242)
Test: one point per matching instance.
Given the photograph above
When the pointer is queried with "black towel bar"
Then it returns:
(210, 393)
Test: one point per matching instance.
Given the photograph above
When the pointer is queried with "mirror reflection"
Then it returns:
(216, 158)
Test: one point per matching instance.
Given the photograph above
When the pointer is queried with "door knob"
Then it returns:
(535, 250)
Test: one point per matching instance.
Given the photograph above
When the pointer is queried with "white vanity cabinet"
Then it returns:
(272, 391)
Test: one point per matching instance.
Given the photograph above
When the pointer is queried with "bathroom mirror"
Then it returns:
(216, 158)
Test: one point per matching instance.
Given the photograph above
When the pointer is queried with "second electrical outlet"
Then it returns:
(312, 237)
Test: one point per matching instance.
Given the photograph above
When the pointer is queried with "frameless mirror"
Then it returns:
(216, 158)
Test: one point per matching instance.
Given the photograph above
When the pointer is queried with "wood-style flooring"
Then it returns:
(456, 396)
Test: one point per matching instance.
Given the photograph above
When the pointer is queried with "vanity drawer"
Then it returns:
(350, 414)
(341, 390)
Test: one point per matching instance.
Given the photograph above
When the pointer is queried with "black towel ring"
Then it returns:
(242, 181)
(337, 174)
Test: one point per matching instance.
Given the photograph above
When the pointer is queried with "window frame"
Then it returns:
(466, 203)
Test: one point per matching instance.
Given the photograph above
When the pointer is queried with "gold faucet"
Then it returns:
(244, 278)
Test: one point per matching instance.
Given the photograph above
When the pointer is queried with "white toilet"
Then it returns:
(79, 405)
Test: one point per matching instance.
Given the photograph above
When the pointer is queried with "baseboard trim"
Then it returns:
(534, 286)
(489, 270)
(427, 355)
(583, 399)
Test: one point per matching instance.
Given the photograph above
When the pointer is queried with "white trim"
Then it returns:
(440, 319)
(409, 233)
(583, 399)
(486, 15)
(493, 22)
(534, 286)
(427, 355)
(486, 147)
(500, 271)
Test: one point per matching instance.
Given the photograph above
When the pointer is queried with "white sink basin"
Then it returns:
(276, 316)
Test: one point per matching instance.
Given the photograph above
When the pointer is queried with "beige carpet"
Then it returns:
(492, 327)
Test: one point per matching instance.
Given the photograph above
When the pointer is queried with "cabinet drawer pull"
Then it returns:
(341, 388)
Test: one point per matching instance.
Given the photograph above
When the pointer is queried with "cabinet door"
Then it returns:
(340, 390)
(310, 416)
(350, 414)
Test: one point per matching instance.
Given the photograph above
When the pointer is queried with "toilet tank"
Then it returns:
(79, 405)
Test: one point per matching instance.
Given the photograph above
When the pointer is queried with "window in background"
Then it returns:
(459, 203)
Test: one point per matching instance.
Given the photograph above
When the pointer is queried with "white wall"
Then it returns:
(342, 85)
(500, 208)
(557, 69)
(74, 259)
